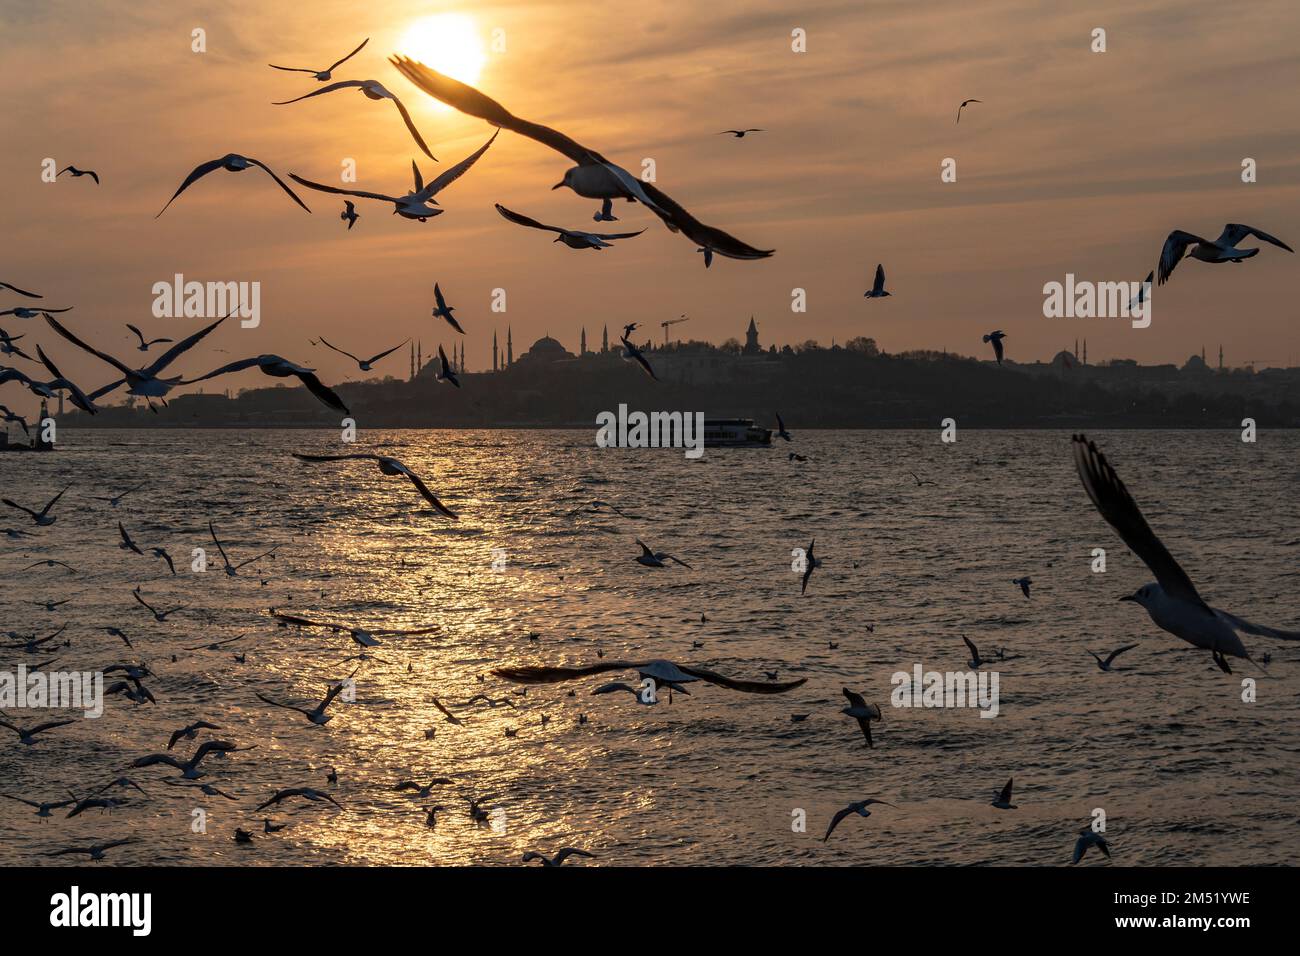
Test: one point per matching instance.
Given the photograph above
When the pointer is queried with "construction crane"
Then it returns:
(684, 318)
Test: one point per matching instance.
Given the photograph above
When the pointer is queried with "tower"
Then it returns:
(412, 360)
(1085, 351)
(1220, 357)
(460, 367)
(582, 348)
(494, 351)
(604, 340)
(751, 339)
(1076, 350)
(510, 349)
(419, 357)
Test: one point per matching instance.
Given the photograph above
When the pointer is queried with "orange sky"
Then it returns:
(1076, 162)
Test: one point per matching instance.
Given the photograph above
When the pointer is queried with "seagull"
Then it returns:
(364, 364)
(559, 858)
(363, 637)
(307, 793)
(1105, 665)
(242, 836)
(392, 468)
(216, 645)
(277, 367)
(232, 568)
(810, 563)
(919, 482)
(7, 416)
(78, 173)
(633, 354)
(418, 204)
(374, 90)
(450, 717)
(445, 374)
(190, 768)
(1002, 799)
(964, 104)
(93, 803)
(7, 346)
(234, 163)
(573, 238)
(60, 382)
(22, 312)
(42, 517)
(33, 644)
(159, 616)
(14, 288)
(317, 714)
(431, 818)
(425, 790)
(127, 544)
(51, 605)
(27, 735)
(652, 559)
(1023, 583)
(780, 428)
(975, 659)
(143, 381)
(1089, 838)
(594, 177)
(209, 789)
(862, 712)
(996, 338)
(117, 499)
(162, 553)
(48, 562)
(740, 133)
(1135, 304)
(15, 533)
(42, 809)
(878, 287)
(662, 672)
(95, 851)
(144, 346)
(325, 75)
(1171, 601)
(189, 732)
(269, 827)
(349, 213)
(444, 310)
(1223, 249)
(860, 808)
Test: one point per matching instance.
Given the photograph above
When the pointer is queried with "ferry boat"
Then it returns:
(735, 433)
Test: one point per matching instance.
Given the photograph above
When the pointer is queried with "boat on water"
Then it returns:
(735, 433)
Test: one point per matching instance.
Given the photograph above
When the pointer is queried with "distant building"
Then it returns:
(582, 347)
(494, 351)
(545, 349)
(604, 341)
(751, 339)
(510, 349)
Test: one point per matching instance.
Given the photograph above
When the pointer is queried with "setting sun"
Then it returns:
(448, 42)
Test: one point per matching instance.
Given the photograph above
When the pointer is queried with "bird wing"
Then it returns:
(335, 66)
(238, 366)
(428, 495)
(340, 351)
(126, 538)
(468, 100)
(410, 125)
(342, 192)
(183, 346)
(1241, 624)
(679, 220)
(14, 288)
(279, 182)
(975, 651)
(616, 235)
(54, 324)
(526, 221)
(199, 172)
(1128, 647)
(641, 360)
(213, 531)
(138, 334)
(855, 700)
(302, 457)
(342, 84)
(997, 348)
(1234, 232)
(569, 851)
(322, 391)
(291, 69)
(1122, 513)
(449, 176)
(879, 284)
(835, 821)
(554, 675)
(1005, 795)
(372, 361)
(1175, 245)
(746, 686)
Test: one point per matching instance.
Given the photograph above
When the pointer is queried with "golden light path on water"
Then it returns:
(713, 777)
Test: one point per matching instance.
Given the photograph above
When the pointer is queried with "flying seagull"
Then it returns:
(7, 346)
(1106, 664)
(1023, 584)
(418, 204)
(444, 310)
(919, 481)
(189, 768)
(878, 287)
(61, 382)
(277, 367)
(42, 517)
(1002, 798)
(144, 346)
(594, 177)
(662, 672)
(996, 338)
(810, 564)
(159, 616)
(316, 714)
(231, 569)
(42, 809)
(559, 858)
(349, 213)
(964, 104)
(573, 238)
(126, 544)
(1223, 249)
(22, 312)
(77, 173)
(27, 735)
(445, 373)
(326, 74)
(740, 133)
(189, 732)
(860, 808)
(975, 659)
(95, 851)
(1089, 838)
(1172, 601)
(364, 364)
(114, 501)
(372, 89)
(234, 163)
(862, 712)
(655, 559)
(14, 288)
(633, 354)
(392, 468)
(780, 428)
(362, 636)
(307, 793)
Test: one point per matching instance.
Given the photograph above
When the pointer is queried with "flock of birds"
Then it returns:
(1172, 601)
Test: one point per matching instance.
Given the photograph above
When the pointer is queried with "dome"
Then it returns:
(547, 349)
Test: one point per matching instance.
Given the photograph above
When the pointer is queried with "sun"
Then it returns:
(448, 42)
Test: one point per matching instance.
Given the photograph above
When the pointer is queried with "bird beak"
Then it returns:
(1129, 597)
(557, 186)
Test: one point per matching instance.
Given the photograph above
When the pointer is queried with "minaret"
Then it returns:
(510, 349)
(419, 357)
(1085, 351)
(1076, 350)
(582, 349)
(60, 404)
(494, 351)
(412, 360)
(1202, 354)
(461, 366)
(604, 341)
(1221, 358)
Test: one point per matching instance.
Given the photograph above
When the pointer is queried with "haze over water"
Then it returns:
(1186, 772)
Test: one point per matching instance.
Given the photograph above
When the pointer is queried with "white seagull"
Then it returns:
(662, 672)
(1105, 665)
(42, 517)
(1089, 838)
(633, 354)
(573, 238)
(1223, 249)
(189, 768)
(231, 569)
(278, 367)
(234, 163)
(559, 858)
(862, 712)
(316, 714)
(374, 90)
(655, 559)
(860, 808)
(144, 346)
(363, 364)
(325, 75)
(393, 469)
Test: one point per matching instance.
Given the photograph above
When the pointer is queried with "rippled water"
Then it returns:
(1186, 772)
